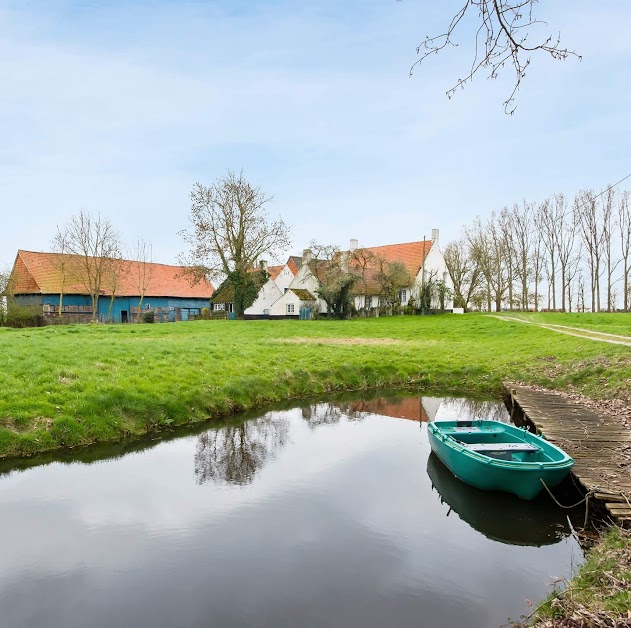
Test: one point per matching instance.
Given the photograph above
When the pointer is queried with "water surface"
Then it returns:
(329, 515)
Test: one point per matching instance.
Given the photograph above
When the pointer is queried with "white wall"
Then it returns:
(434, 266)
(279, 307)
(305, 280)
(269, 293)
(284, 279)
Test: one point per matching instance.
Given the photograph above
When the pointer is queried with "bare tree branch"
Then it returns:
(503, 38)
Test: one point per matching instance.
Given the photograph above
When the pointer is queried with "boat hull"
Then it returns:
(519, 477)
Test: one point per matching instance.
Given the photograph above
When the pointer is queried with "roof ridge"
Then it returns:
(133, 261)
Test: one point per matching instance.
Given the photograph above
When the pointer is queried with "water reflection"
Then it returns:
(499, 516)
(234, 454)
(315, 516)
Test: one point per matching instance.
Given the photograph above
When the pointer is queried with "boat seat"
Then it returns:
(467, 430)
(484, 447)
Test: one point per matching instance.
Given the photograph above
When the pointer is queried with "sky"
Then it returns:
(118, 107)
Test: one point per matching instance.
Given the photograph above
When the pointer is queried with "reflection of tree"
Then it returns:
(476, 409)
(323, 414)
(235, 453)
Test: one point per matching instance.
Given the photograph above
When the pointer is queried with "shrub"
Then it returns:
(24, 316)
(149, 317)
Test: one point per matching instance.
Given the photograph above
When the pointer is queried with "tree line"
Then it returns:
(567, 254)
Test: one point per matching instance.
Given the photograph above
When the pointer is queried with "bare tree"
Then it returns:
(624, 226)
(464, 271)
(330, 266)
(488, 249)
(564, 242)
(115, 269)
(548, 219)
(230, 232)
(590, 229)
(507, 34)
(60, 246)
(142, 254)
(94, 242)
(363, 262)
(392, 277)
(607, 221)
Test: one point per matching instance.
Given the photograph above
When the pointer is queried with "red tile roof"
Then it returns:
(411, 254)
(294, 263)
(274, 271)
(42, 273)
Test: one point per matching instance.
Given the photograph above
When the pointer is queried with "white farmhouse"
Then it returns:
(422, 259)
(280, 278)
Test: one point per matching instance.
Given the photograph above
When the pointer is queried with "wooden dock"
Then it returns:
(595, 442)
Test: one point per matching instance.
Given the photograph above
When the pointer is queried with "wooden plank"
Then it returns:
(595, 442)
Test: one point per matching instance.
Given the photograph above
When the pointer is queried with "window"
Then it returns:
(147, 306)
(286, 289)
(290, 308)
(368, 302)
(403, 296)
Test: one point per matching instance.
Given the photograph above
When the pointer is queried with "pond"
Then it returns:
(332, 514)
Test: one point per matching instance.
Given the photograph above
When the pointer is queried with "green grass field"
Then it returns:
(68, 386)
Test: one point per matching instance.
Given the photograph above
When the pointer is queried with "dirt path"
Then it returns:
(597, 336)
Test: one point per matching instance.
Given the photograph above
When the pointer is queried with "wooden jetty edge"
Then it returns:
(594, 441)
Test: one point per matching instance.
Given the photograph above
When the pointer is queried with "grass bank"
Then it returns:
(599, 595)
(76, 385)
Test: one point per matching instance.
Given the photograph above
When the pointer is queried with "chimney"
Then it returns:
(435, 236)
(307, 255)
(354, 245)
(263, 264)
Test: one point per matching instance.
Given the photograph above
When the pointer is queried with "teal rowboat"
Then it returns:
(495, 456)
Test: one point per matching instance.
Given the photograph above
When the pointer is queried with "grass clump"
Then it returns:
(599, 595)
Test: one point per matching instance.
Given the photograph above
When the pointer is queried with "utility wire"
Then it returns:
(611, 187)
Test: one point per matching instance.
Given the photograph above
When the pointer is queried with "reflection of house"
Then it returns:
(42, 280)
(422, 409)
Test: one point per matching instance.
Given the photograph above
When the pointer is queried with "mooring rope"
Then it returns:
(585, 499)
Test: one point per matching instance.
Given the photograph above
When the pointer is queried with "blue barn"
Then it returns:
(59, 287)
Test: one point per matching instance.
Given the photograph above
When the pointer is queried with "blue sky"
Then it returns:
(119, 107)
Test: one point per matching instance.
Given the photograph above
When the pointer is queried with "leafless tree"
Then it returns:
(607, 221)
(363, 263)
(506, 229)
(624, 226)
(520, 222)
(464, 271)
(142, 254)
(507, 34)
(564, 241)
(489, 252)
(548, 218)
(538, 254)
(60, 246)
(336, 278)
(230, 232)
(114, 272)
(590, 229)
(392, 277)
(94, 242)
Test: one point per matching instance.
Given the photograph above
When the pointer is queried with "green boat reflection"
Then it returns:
(500, 516)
